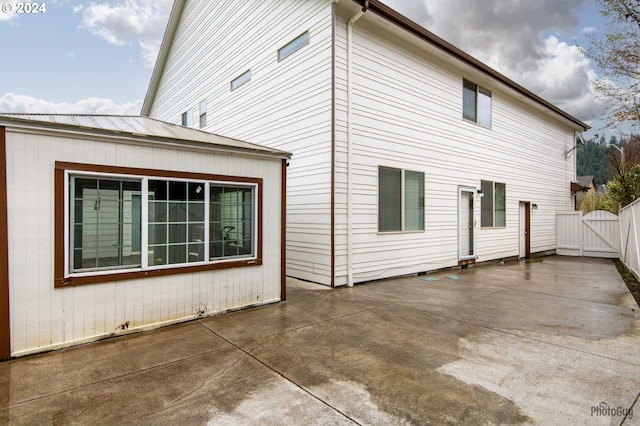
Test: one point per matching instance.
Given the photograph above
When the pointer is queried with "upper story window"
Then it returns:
(241, 79)
(136, 223)
(293, 45)
(476, 103)
(186, 119)
(400, 200)
(203, 113)
(493, 204)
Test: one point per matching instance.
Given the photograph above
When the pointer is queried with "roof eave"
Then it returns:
(403, 22)
(163, 54)
(19, 123)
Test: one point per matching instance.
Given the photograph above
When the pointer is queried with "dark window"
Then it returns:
(493, 204)
(476, 103)
(400, 200)
(203, 114)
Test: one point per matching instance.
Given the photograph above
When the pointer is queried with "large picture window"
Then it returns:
(476, 103)
(400, 200)
(493, 204)
(116, 223)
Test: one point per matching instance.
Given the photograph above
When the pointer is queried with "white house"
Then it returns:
(112, 224)
(410, 155)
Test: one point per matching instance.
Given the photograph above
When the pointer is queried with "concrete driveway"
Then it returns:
(552, 341)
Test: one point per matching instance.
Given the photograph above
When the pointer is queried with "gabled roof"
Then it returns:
(388, 14)
(402, 21)
(136, 127)
(586, 181)
(163, 54)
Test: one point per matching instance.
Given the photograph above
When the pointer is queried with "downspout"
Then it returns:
(350, 24)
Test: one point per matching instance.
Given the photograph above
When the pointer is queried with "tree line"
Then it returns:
(614, 164)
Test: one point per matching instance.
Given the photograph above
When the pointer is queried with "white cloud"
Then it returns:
(7, 11)
(11, 102)
(564, 76)
(507, 35)
(129, 21)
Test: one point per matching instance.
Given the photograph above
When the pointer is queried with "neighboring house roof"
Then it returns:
(587, 181)
(577, 187)
(390, 15)
(136, 127)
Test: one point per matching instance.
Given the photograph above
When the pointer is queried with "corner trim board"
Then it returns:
(283, 232)
(5, 327)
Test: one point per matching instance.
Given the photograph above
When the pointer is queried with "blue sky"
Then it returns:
(97, 57)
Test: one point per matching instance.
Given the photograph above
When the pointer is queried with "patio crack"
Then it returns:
(116, 377)
(629, 414)
(308, 392)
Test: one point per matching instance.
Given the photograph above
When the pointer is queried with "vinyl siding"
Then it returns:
(285, 105)
(43, 317)
(407, 113)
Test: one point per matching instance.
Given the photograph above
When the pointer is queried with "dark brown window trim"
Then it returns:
(61, 281)
(5, 329)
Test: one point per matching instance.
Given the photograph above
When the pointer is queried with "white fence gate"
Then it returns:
(597, 234)
(629, 228)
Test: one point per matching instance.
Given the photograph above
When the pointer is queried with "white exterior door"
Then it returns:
(466, 234)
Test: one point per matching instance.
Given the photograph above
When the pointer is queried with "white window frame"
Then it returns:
(144, 243)
(293, 46)
(186, 119)
(243, 78)
(203, 114)
(480, 91)
(493, 205)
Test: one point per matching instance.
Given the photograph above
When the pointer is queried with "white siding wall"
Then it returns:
(43, 317)
(408, 114)
(285, 105)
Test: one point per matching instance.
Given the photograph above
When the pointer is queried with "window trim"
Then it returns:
(478, 92)
(403, 229)
(493, 207)
(186, 119)
(282, 56)
(240, 80)
(203, 114)
(62, 171)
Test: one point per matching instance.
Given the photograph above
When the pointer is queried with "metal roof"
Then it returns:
(135, 127)
(586, 181)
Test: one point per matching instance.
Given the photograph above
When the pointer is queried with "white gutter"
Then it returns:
(350, 24)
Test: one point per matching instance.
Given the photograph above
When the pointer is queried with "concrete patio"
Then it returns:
(549, 341)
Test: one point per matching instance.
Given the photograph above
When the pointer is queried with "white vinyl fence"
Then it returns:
(629, 228)
(597, 234)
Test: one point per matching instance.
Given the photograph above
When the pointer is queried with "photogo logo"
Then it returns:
(605, 410)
